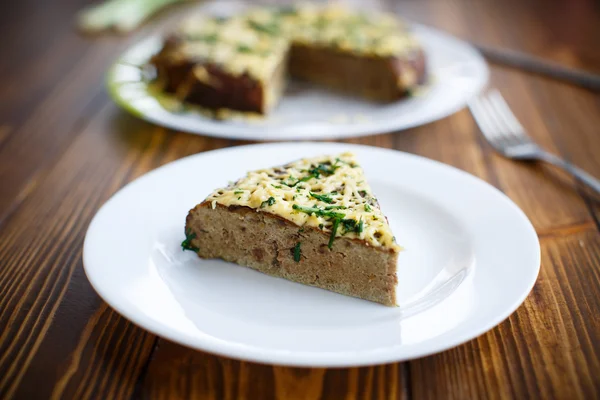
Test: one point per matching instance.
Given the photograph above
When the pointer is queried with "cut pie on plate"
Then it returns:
(240, 62)
(314, 221)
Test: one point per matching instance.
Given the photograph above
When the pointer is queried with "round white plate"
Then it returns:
(457, 73)
(471, 258)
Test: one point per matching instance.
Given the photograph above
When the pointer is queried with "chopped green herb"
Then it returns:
(276, 186)
(268, 202)
(242, 48)
(323, 169)
(334, 229)
(334, 192)
(306, 178)
(335, 208)
(349, 225)
(238, 192)
(297, 252)
(239, 197)
(316, 172)
(187, 243)
(318, 212)
(321, 226)
(367, 208)
(363, 193)
(323, 197)
(283, 180)
(270, 29)
(209, 38)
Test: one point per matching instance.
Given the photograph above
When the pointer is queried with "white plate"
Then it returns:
(471, 258)
(456, 69)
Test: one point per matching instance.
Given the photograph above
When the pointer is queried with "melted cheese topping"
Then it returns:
(322, 192)
(233, 44)
(256, 41)
(336, 26)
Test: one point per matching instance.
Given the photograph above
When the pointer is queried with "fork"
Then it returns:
(504, 133)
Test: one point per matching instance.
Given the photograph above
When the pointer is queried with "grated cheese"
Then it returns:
(256, 42)
(336, 185)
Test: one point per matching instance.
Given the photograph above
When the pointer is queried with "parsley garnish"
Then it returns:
(316, 172)
(323, 197)
(276, 186)
(242, 48)
(238, 192)
(187, 243)
(334, 229)
(336, 207)
(306, 178)
(323, 169)
(318, 211)
(270, 29)
(209, 38)
(297, 252)
(363, 193)
(367, 207)
(268, 202)
(349, 225)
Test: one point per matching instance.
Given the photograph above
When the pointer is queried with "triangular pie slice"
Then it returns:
(314, 221)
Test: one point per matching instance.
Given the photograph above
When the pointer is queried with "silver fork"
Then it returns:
(503, 131)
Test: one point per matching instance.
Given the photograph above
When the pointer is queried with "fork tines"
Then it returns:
(495, 119)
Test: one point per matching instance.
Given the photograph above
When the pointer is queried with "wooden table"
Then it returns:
(65, 148)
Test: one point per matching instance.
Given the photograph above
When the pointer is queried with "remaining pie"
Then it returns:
(314, 221)
(240, 63)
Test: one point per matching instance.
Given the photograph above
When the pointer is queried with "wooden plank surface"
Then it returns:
(65, 149)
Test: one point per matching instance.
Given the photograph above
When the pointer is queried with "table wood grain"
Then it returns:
(65, 148)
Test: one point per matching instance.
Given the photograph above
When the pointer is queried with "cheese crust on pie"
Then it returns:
(241, 62)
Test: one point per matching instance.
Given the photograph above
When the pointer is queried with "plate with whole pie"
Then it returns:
(299, 72)
(312, 254)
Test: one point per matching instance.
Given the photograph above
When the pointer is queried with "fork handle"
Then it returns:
(573, 170)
